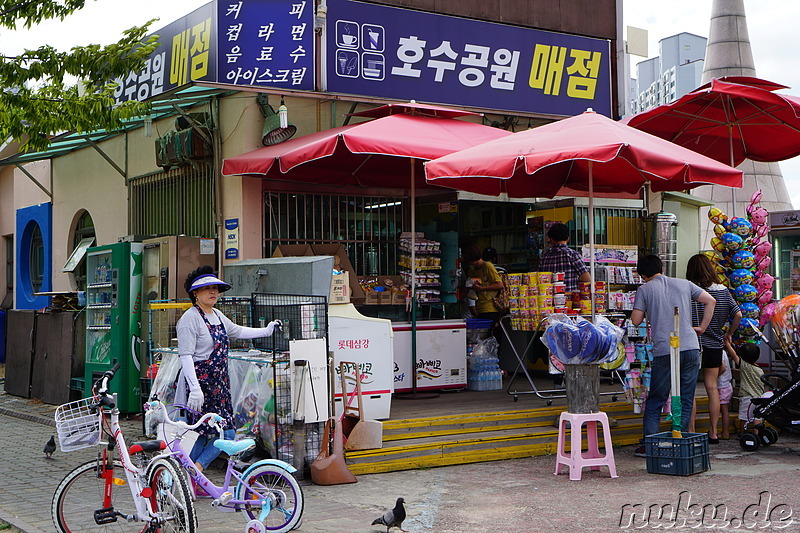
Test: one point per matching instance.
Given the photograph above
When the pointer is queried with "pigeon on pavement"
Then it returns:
(393, 517)
(50, 447)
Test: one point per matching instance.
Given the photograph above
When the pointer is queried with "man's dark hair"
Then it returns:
(558, 232)
(749, 352)
(649, 265)
(489, 254)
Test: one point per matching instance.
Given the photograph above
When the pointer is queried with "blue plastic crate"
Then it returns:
(677, 457)
(479, 323)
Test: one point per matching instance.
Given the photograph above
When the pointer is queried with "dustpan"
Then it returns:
(329, 468)
(360, 434)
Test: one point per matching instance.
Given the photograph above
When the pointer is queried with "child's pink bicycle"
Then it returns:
(266, 491)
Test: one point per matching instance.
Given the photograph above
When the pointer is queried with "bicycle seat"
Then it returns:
(234, 447)
(147, 446)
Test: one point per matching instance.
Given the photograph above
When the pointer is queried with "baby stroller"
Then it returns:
(780, 405)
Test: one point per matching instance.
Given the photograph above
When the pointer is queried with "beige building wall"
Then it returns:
(17, 191)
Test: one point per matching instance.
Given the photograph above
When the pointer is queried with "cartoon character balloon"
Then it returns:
(716, 216)
(763, 264)
(748, 327)
(749, 310)
(765, 298)
(745, 293)
(740, 226)
(732, 241)
(743, 259)
(717, 244)
(762, 249)
(739, 276)
(764, 282)
(767, 313)
(759, 216)
(719, 229)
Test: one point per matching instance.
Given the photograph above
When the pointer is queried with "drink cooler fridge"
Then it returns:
(113, 319)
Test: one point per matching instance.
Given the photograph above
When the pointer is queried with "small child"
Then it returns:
(750, 385)
(725, 387)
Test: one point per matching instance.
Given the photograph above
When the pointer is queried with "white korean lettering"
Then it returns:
(441, 66)
(410, 51)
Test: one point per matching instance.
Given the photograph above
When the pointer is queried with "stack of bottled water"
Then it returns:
(484, 370)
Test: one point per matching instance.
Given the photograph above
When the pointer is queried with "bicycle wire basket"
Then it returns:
(77, 426)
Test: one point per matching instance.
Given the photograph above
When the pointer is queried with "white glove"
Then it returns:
(274, 326)
(195, 401)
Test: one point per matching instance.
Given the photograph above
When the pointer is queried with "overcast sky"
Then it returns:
(772, 24)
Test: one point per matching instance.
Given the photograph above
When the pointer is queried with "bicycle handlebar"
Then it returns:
(100, 387)
(212, 419)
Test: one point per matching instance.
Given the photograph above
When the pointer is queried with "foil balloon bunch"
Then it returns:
(742, 259)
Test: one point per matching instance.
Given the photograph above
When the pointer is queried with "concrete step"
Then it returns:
(477, 437)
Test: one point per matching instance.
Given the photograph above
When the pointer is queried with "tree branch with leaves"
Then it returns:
(39, 88)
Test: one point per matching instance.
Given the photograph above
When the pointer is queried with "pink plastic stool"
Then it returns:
(576, 460)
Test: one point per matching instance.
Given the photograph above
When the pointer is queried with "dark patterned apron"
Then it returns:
(214, 380)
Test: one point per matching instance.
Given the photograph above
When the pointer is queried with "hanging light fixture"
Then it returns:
(276, 125)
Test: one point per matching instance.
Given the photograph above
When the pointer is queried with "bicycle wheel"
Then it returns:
(171, 498)
(80, 494)
(280, 488)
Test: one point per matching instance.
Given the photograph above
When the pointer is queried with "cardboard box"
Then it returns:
(292, 250)
(377, 298)
(340, 288)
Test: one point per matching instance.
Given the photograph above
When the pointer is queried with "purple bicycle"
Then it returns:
(266, 491)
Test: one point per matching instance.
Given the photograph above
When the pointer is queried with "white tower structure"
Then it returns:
(729, 54)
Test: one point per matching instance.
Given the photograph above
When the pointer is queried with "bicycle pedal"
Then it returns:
(224, 498)
(105, 516)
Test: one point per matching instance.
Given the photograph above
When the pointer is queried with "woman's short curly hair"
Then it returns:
(193, 275)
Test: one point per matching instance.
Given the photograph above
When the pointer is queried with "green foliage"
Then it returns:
(38, 92)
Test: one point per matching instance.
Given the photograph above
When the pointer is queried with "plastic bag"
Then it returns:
(485, 348)
(165, 383)
(578, 341)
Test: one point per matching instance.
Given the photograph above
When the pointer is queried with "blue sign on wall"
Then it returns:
(262, 43)
(410, 55)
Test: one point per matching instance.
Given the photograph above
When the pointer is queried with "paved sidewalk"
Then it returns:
(511, 496)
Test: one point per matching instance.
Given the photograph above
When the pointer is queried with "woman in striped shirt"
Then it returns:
(700, 271)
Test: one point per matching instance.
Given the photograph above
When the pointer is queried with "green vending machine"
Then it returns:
(113, 319)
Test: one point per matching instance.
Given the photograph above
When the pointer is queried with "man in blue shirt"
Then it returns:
(657, 299)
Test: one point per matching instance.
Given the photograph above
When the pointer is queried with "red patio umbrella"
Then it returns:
(588, 154)
(371, 154)
(729, 119)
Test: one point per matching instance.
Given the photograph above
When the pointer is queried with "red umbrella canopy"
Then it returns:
(729, 119)
(413, 108)
(555, 160)
(369, 153)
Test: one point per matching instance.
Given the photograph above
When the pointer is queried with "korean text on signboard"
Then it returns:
(265, 43)
(397, 53)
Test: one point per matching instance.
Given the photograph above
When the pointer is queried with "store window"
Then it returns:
(180, 201)
(82, 239)
(9, 246)
(368, 227)
(36, 259)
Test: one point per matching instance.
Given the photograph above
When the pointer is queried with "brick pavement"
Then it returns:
(504, 496)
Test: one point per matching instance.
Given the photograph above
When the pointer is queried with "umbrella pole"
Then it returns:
(591, 235)
(675, 379)
(414, 395)
(733, 189)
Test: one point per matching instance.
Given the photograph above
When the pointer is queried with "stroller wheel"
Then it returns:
(749, 442)
(769, 436)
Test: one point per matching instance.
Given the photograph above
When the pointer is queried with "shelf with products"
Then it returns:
(427, 267)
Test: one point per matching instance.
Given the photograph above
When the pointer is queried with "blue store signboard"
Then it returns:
(410, 55)
(262, 43)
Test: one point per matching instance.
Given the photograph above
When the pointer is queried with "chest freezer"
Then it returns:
(366, 342)
(441, 355)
